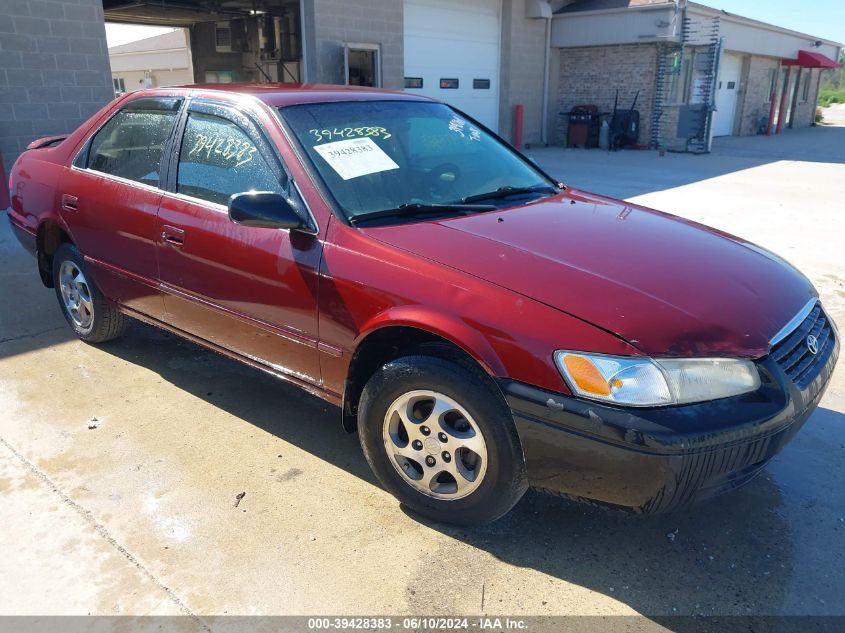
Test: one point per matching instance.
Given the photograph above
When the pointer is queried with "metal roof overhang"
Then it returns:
(809, 59)
(186, 12)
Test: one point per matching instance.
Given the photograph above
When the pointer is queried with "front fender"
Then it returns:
(448, 326)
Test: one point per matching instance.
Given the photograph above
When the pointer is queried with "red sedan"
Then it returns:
(483, 326)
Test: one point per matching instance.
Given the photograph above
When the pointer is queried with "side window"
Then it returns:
(130, 145)
(217, 159)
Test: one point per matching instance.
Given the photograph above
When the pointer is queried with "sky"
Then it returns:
(822, 18)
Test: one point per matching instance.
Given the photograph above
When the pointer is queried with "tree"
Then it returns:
(835, 79)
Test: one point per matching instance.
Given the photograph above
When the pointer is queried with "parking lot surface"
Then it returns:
(120, 465)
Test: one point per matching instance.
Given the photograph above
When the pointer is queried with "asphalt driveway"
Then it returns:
(120, 465)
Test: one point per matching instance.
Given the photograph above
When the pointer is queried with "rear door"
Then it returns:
(110, 198)
(248, 290)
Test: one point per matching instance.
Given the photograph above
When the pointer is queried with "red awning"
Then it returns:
(808, 59)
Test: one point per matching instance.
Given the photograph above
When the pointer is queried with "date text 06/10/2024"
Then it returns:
(417, 623)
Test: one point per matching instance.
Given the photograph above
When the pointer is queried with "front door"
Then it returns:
(110, 198)
(252, 291)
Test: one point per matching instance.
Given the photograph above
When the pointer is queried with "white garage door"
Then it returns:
(727, 88)
(453, 47)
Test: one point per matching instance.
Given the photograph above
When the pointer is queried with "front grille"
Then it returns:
(793, 353)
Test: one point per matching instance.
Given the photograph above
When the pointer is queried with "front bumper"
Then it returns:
(660, 459)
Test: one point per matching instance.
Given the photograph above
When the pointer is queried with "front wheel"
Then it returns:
(439, 437)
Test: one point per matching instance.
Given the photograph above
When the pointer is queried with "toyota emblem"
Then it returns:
(813, 344)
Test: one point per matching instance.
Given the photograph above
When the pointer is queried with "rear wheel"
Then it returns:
(92, 318)
(440, 438)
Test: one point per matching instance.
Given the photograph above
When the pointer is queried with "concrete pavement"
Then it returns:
(120, 465)
(834, 114)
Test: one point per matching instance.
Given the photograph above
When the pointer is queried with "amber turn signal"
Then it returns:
(585, 375)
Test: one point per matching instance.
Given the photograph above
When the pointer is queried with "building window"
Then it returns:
(680, 74)
(413, 82)
(119, 85)
(222, 38)
(449, 84)
(481, 84)
(805, 88)
(219, 76)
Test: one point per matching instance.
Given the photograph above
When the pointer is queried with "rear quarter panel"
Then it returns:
(37, 174)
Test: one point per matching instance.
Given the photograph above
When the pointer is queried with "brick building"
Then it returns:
(697, 71)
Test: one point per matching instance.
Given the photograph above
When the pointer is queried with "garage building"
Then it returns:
(696, 71)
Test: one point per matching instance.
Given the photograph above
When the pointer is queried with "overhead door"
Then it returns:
(727, 88)
(452, 54)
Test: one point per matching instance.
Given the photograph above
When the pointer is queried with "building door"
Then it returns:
(452, 54)
(362, 65)
(727, 88)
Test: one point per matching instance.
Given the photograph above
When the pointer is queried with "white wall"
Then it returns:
(133, 79)
(762, 39)
(632, 26)
(590, 28)
(149, 60)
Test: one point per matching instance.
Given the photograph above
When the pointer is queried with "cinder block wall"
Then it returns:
(54, 69)
(756, 101)
(330, 23)
(592, 75)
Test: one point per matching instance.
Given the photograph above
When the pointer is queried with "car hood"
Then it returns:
(666, 285)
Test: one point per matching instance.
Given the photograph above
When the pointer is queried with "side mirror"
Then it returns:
(264, 209)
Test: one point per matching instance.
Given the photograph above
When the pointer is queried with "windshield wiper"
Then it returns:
(504, 192)
(417, 208)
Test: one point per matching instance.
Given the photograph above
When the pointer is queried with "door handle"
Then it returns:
(69, 202)
(172, 235)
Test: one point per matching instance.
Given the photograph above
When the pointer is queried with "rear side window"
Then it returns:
(131, 144)
(218, 159)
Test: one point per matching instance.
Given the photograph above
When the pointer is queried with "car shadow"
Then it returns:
(732, 555)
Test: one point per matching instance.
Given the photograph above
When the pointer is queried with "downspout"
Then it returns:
(544, 122)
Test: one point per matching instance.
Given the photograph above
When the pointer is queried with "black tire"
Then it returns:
(107, 322)
(504, 481)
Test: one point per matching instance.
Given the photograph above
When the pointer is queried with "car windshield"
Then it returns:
(375, 156)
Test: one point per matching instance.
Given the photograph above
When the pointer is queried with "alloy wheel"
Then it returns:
(435, 445)
(76, 294)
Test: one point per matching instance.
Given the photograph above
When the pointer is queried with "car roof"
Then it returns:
(279, 94)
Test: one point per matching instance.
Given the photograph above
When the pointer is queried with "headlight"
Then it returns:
(646, 382)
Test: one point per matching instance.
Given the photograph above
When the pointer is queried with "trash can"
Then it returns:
(583, 126)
